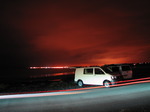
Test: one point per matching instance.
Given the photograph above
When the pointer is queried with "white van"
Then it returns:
(94, 76)
(123, 69)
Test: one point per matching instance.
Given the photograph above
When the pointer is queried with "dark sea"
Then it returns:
(13, 75)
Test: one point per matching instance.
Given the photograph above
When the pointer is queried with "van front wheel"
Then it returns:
(107, 84)
(80, 83)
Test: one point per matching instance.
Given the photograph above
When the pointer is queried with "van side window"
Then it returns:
(125, 68)
(88, 71)
(98, 71)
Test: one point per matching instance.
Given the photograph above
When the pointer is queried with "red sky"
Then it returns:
(75, 32)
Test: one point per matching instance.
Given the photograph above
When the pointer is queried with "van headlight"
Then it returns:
(113, 77)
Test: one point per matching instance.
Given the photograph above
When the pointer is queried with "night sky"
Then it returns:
(74, 32)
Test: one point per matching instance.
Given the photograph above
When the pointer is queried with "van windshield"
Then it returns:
(126, 68)
(107, 70)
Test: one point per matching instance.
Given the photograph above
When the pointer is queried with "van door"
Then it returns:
(126, 72)
(88, 75)
(99, 76)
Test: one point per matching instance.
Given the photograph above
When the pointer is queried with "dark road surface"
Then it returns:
(129, 98)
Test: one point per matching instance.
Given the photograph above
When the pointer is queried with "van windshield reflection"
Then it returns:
(107, 70)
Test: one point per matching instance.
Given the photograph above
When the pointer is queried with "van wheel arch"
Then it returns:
(107, 83)
(80, 83)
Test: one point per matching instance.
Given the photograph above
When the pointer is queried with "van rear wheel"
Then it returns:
(107, 84)
(80, 83)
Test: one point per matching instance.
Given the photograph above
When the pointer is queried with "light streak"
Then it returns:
(133, 80)
(130, 83)
(39, 94)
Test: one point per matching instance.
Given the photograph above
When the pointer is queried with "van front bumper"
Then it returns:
(116, 81)
(113, 82)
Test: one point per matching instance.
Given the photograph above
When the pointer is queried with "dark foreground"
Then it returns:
(129, 98)
(52, 86)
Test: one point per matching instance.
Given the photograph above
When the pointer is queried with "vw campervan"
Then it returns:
(94, 76)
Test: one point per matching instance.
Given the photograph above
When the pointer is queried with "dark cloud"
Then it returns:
(14, 48)
(41, 33)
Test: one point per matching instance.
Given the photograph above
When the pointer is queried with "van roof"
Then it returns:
(118, 65)
(89, 67)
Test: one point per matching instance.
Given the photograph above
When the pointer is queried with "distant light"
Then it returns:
(61, 67)
(49, 67)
